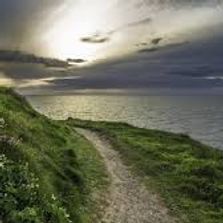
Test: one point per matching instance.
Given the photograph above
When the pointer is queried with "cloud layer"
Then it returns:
(129, 44)
(20, 20)
(65, 25)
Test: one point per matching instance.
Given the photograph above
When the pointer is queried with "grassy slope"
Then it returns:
(187, 174)
(47, 171)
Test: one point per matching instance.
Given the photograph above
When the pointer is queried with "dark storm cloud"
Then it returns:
(97, 38)
(22, 57)
(141, 22)
(20, 18)
(201, 71)
(157, 48)
(76, 61)
(156, 41)
(178, 3)
(102, 38)
(195, 65)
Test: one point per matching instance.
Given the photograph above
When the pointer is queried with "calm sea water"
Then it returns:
(200, 117)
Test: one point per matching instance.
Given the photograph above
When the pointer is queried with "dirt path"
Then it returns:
(129, 201)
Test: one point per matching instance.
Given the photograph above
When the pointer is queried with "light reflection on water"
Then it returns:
(200, 117)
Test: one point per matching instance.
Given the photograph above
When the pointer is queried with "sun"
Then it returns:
(65, 42)
(63, 39)
(65, 34)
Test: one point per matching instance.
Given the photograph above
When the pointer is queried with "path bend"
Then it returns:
(129, 201)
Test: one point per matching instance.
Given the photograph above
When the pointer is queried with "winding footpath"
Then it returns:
(129, 201)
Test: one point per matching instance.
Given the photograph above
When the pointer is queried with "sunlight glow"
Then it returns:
(118, 27)
(64, 37)
(5, 81)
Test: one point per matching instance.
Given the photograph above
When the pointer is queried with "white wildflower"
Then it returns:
(2, 157)
(2, 122)
(1, 164)
(67, 215)
(53, 197)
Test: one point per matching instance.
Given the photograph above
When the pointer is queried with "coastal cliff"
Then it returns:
(51, 173)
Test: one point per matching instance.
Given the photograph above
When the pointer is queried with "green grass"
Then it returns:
(187, 174)
(48, 173)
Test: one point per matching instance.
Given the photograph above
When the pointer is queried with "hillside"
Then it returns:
(48, 173)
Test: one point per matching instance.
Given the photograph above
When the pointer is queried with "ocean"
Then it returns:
(200, 117)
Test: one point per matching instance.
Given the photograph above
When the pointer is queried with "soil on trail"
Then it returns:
(129, 201)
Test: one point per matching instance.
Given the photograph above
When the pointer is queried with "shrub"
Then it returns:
(21, 199)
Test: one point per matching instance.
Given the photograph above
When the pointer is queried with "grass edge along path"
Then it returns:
(186, 173)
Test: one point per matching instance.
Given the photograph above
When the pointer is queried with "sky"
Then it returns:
(153, 46)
